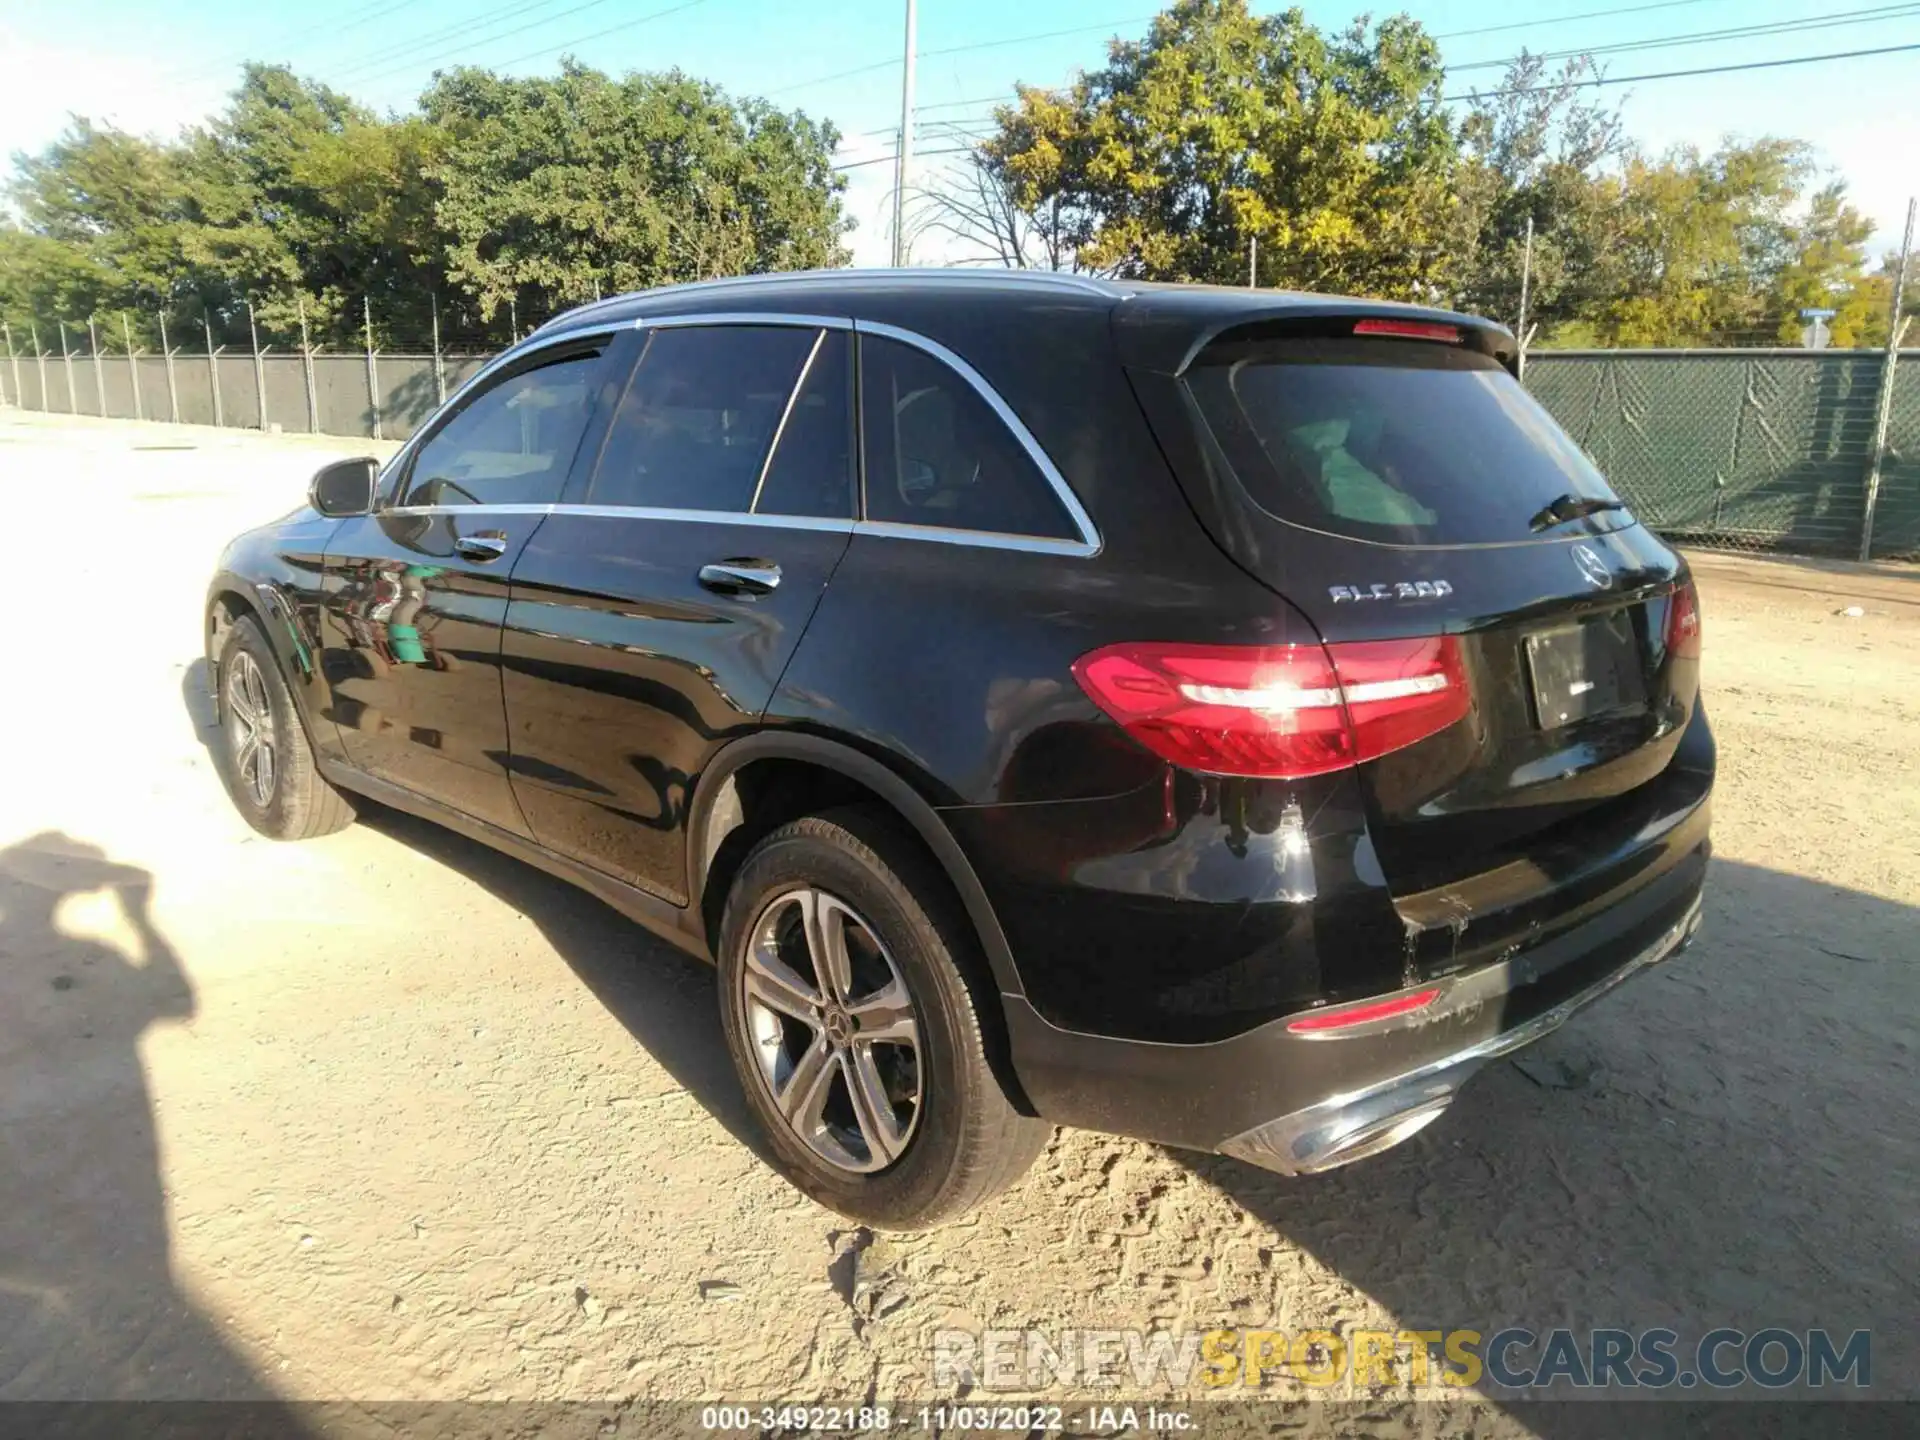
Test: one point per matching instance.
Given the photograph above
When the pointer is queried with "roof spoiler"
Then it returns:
(1169, 336)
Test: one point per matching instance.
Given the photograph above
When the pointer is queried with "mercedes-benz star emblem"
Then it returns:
(1591, 567)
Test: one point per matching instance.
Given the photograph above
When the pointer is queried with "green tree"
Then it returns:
(557, 189)
(100, 215)
(1702, 240)
(1533, 149)
(1222, 128)
(299, 195)
(1827, 270)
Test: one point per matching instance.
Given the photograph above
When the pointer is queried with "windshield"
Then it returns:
(1410, 443)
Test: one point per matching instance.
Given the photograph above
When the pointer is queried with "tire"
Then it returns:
(957, 1140)
(295, 802)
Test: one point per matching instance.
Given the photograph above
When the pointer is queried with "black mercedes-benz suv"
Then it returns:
(1223, 717)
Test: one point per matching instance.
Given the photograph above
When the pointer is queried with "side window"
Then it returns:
(937, 454)
(700, 414)
(811, 472)
(512, 444)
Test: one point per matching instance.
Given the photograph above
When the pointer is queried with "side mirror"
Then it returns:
(344, 487)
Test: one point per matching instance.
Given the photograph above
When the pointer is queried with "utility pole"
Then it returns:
(903, 161)
(1253, 262)
(1883, 405)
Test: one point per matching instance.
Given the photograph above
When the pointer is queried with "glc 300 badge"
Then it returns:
(1399, 590)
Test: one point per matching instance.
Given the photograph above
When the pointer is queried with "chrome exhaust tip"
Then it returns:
(1339, 1133)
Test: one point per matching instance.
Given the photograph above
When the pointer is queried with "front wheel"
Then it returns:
(262, 752)
(855, 1032)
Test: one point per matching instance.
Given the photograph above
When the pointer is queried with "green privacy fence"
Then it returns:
(1747, 449)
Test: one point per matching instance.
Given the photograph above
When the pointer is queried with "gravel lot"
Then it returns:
(389, 1116)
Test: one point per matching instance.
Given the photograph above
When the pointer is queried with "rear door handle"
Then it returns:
(481, 547)
(741, 577)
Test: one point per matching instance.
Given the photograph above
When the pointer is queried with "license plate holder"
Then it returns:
(1589, 668)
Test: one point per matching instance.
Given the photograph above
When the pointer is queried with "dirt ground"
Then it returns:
(387, 1116)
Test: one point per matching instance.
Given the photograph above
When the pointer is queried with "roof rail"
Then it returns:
(1054, 279)
(1061, 279)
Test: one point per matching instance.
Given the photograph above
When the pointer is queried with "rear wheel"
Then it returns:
(262, 753)
(855, 1031)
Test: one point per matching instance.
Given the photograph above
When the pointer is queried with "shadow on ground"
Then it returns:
(1733, 1140)
(89, 1305)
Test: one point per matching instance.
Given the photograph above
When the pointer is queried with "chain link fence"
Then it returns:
(1749, 449)
(141, 367)
(1738, 449)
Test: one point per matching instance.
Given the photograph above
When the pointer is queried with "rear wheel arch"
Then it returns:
(763, 781)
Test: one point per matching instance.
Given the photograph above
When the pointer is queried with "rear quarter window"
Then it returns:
(1403, 442)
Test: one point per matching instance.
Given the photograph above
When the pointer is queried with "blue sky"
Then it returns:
(155, 68)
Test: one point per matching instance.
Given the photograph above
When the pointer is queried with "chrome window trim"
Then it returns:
(979, 539)
(880, 529)
(502, 509)
(1089, 541)
(710, 517)
(780, 318)
(640, 512)
(786, 413)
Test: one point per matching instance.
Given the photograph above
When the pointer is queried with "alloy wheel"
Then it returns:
(251, 733)
(833, 1029)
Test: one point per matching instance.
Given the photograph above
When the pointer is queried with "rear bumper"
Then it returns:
(1348, 1127)
(1303, 1102)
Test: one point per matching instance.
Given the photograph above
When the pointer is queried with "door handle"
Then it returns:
(481, 547)
(741, 577)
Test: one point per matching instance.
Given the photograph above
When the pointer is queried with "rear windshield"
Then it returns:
(1405, 442)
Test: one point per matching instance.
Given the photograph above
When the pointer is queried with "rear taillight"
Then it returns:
(1683, 622)
(1323, 1022)
(1278, 711)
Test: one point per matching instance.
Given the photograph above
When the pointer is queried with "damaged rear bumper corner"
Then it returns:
(1344, 1128)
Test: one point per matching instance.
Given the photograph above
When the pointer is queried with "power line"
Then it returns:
(470, 43)
(600, 34)
(1110, 25)
(1745, 32)
(1703, 37)
(354, 20)
(428, 39)
(1682, 74)
(1568, 19)
(891, 156)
